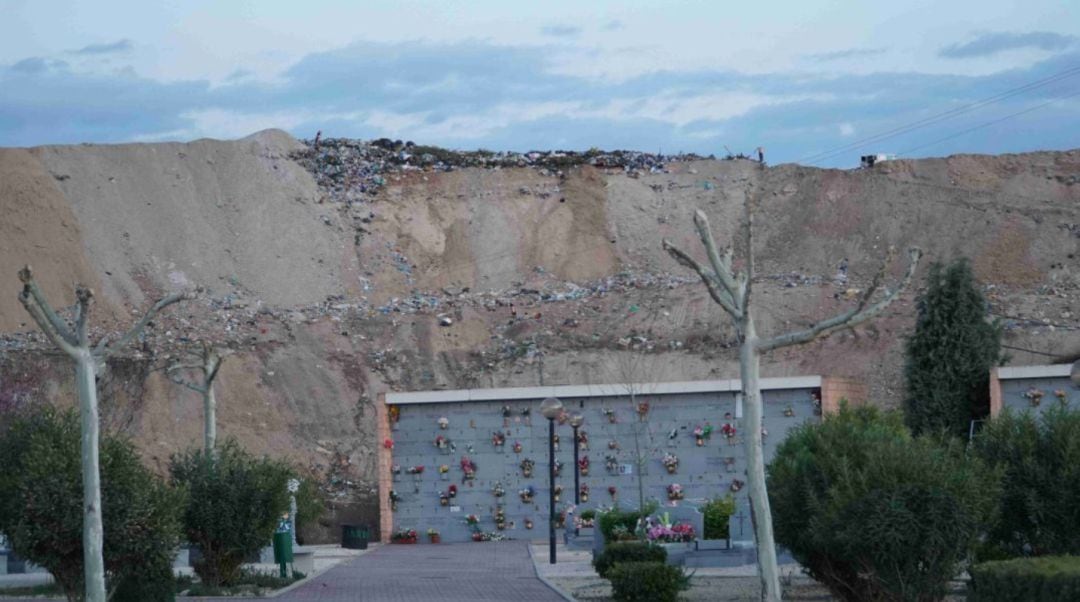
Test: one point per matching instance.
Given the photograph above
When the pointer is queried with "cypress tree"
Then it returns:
(951, 353)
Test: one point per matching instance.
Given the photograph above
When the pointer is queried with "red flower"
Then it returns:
(388, 443)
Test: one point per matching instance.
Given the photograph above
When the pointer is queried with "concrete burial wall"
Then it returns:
(1018, 387)
(675, 409)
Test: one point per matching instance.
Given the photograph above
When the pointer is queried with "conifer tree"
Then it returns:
(950, 356)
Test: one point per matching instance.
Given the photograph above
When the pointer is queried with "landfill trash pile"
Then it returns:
(352, 170)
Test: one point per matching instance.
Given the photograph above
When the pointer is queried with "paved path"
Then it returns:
(466, 572)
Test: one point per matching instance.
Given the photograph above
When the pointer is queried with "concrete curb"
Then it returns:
(545, 580)
(288, 588)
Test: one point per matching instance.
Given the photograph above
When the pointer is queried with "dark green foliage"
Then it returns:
(154, 583)
(589, 514)
(950, 355)
(1040, 488)
(1046, 579)
(874, 514)
(647, 582)
(234, 503)
(247, 583)
(628, 519)
(310, 505)
(627, 551)
(717, 513)
(41, 509)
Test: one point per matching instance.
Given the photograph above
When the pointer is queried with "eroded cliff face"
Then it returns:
(482, 277)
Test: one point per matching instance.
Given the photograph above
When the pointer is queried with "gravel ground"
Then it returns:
(702, 589)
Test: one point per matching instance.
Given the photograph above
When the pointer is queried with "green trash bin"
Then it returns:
(354, 537)
(283, 552)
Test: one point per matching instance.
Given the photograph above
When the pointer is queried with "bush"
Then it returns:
(611, 520)
(950, 355)
(717, 513)
(41, 505)
(627, 551)
(235, 502)
(647, 582)
(874, 514)
(310, 506)
(1040, 488)
(1047, 579)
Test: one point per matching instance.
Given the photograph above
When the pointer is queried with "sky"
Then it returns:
(810, 81)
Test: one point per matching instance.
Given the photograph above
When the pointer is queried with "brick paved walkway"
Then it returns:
(464, 572)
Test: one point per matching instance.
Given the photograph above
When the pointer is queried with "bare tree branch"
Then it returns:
(85, 296)
(850, 318)
(138, 328)
(177, 379)
(746, 282)
(43, 323)
(30, 289)
(718, 293)
(721, 265)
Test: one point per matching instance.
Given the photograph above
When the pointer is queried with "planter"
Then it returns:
(672, 469)
(435, 538)
(410, 540)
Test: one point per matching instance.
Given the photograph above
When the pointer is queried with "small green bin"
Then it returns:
(354, 537)
(283, 552)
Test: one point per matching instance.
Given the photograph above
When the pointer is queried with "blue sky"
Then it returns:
(800, 77)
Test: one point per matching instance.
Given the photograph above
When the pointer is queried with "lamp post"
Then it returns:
(551, 408)
(576, 420)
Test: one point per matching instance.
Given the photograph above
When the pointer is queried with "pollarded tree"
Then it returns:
(951, 353)
(731, 290)
(205, 362)
(73, 340)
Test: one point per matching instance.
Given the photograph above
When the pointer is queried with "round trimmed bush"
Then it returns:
(1046, 578)
(647, 582)
(874, 514)
(627, 551)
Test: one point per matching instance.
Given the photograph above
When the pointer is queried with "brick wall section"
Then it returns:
(996, 401)
(833, 389)
(385, 460)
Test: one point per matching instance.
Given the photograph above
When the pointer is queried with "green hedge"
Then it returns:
(1046, 578)
(717, 514)
(627, 551)
(647, 582)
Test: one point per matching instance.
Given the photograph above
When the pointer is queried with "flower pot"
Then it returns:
(699, 441)
(526, 473)
(585, 471)
(528, 524)
(435, 538)
(672, 468)
(444, 501)
(584, 498)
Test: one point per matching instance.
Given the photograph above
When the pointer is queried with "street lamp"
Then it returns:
(576, 420)
(551, 408)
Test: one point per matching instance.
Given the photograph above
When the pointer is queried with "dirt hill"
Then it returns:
(341, 271)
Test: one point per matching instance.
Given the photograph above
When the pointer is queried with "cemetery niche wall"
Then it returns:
(476, 461)
(1031, 388)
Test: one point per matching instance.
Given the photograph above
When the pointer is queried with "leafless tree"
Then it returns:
(73, 339)
(205, 362)
(731, 290)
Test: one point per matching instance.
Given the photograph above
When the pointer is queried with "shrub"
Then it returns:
(872, 513)
(647, 582)
(41, 505)
(235, 502)
(950, 355)
(310, 506)
(627, 551)
(589, 514)
(1047, 579)
(1040, 460)
(717, 513)
(627, 519)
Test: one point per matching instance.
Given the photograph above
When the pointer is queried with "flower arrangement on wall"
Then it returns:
(472, 520)
(528, 523)
(737, 485)
(789, 411)
(468, 467)
(611, 463)
(583, 466)
(452, 491)
(1062, 396)
(443, 471)
(1034, 396)
(674, 491)
(612, 491)
(444, 422)
(394, 498)
(661, 530)
(643, 410)
(670, 462)
(394, 414)
(729, 430)
(583, 440)
(517, 447)
(527, 467)
(415, 470)
(610, 415)
(498, 490)
(442, 442)
(506, 411)
(583, 493)
(555, 439)
(527, 494)
(558, 467)
(498, 439)
(444, 499)
(500, 518)
(613, 444)
(558, 492)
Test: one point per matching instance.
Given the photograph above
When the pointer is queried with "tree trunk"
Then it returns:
(210, 418)
(760, 513)
(93, 532)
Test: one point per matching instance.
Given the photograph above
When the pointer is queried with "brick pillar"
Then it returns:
(385, 461)
(834, 388)
(995, 393)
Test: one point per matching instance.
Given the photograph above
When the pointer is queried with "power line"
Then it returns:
(989, 123)
(927, 121)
